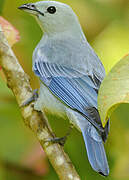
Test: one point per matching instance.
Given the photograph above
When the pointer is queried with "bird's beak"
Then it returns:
(31, 8)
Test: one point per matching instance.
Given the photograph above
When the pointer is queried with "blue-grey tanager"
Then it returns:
(70, 75)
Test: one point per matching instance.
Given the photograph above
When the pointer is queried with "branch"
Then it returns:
(18, 82)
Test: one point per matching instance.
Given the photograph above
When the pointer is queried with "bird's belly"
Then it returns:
(48, 103)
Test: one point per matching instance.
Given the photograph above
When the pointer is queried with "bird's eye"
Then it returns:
(33, 6)
(51, 9)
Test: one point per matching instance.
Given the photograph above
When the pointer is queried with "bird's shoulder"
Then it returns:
(70, 53)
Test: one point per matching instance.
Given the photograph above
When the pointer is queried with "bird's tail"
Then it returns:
(95, 150)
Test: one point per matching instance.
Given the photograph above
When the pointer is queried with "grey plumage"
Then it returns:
(70, 74)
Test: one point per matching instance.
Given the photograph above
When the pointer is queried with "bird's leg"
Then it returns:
(61, 140)
(33, 98)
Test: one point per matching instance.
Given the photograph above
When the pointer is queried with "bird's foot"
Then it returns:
(61, 140)
(33, 98)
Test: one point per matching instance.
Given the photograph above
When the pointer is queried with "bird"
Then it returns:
(70, 75)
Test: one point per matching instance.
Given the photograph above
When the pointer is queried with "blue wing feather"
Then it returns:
(47, 70)
(72, 90)
(64, 89)
(76, 90)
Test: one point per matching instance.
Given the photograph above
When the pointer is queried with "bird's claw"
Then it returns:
(61, 140)
(33, 98)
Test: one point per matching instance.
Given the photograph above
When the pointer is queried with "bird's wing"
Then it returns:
(76, 90)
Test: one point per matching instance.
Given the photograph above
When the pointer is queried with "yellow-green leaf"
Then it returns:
(114, 89)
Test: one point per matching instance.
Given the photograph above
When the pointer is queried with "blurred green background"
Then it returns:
(106, 25)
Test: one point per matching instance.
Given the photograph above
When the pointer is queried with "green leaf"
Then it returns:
(114, 90)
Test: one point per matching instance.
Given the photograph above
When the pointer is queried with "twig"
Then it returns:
(18, 82)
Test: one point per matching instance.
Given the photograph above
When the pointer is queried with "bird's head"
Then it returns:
(53, 16)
